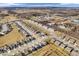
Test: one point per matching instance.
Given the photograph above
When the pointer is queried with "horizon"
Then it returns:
(39, 5)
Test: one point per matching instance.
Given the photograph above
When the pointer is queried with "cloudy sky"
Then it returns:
(39, 5)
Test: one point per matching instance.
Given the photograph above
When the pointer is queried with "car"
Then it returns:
(33, 48)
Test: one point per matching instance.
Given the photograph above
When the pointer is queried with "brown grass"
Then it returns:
(11, 37)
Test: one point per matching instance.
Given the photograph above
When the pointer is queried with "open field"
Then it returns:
(50, 50)
(12, 37)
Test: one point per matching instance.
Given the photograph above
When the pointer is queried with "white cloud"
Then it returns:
(7, 4)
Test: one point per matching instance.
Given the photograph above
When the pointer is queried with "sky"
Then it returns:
(39, 5)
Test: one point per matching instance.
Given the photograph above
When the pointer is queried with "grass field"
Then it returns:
(11, 37)
(50, 50)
